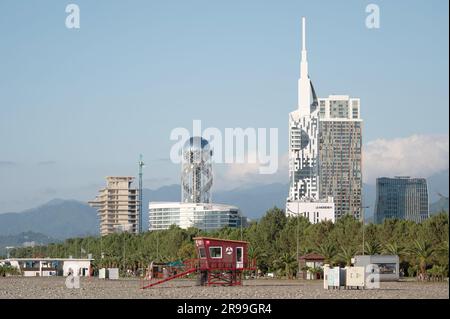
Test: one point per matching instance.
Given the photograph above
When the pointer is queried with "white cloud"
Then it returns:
(247, 174)
(416, 155)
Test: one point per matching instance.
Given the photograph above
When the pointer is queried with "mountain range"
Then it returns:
(439, 206)
(24, 239)
(60, 219)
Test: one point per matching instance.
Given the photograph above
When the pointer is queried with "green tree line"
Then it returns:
(275, 240)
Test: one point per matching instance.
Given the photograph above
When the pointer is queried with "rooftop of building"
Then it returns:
(312, 256)
(338, 97)
(188, 205)
(220, 239)
(121, 178)
(401, 178)
(47, 259)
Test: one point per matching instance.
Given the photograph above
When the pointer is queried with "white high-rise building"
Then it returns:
(304, 150)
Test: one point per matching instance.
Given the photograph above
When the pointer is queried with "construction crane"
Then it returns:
(141, 166)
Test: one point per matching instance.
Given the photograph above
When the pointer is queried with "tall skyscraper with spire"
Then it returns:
(303, 133)
(303, 198)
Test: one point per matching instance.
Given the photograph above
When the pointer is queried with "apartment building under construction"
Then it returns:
(118, 206)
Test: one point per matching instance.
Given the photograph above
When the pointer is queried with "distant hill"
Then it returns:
(61, 219)
(255, 201)
(438, 183)
(24, 239)
(58, 218)
(439, 206)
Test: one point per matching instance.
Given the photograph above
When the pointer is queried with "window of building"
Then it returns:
(387, 268)
(239, 254)
(215, 252)
(202, 252)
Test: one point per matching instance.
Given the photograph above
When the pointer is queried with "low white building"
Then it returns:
(388, 265)
(44, 267)
(205, 216)
(315, 211)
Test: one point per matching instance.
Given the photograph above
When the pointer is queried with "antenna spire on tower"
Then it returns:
(303, 34)
(304, 85)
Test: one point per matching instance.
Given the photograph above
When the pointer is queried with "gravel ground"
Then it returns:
(54, 287)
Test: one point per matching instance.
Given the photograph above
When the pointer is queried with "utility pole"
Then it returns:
(241, 228)
(298, 243)
(123, 252)
(363, 228)
(141, 165)
(157, 245)
(298, 247)
(102, 254)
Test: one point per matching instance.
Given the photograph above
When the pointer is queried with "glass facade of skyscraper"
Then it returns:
(401, 198)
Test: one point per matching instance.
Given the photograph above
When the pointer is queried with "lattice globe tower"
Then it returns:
(196, 175)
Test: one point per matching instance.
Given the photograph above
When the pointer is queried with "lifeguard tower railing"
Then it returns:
(211, 264)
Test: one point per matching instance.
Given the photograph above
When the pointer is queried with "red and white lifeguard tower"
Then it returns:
(220, 262)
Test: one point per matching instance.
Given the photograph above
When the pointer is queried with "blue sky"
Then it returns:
(78, 105)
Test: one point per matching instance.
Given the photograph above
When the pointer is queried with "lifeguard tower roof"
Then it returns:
(224, 240)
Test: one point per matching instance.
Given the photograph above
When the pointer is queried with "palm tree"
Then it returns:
(305, 250)
(423, 252)
(115, 262)
(372, 248)
(442, 249)
(328, 252)
(286, 263)
(255, 253)
(437, 272)
(129, 264)
(142, 262)
(393, 249)
(346, 254)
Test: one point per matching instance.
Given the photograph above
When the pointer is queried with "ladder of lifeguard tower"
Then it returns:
(181, 274)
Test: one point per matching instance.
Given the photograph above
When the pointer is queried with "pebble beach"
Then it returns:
(93, 288)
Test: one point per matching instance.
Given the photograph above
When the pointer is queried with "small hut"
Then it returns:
(308, 263)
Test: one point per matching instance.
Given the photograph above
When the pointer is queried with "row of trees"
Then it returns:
(275, 242)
